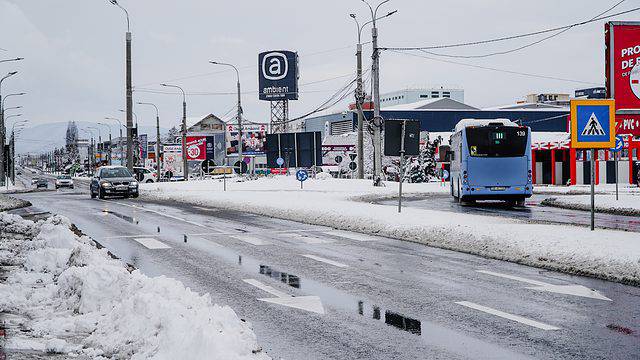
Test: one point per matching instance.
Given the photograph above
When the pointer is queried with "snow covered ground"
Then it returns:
(64, 296)
(10, 203)
(627, 204)
(608, 254)
(586, 189)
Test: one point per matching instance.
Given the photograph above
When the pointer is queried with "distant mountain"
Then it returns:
(46, 137)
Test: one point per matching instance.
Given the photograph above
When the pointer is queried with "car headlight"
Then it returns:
(105, 184)
(133, 184)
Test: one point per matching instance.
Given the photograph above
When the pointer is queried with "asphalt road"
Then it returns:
(532, 212)
(357, 296)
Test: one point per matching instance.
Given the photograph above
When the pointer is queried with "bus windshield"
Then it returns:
(497, 141)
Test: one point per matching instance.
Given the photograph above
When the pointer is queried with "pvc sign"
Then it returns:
(196, 148)
(593, 124)
(278, 75)
(623, 73)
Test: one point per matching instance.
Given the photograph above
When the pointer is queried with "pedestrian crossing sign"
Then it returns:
(593, 124)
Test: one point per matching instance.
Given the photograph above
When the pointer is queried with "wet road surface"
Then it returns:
(532, 212)
(313, 292)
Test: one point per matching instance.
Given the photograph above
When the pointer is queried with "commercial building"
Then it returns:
(412, 95)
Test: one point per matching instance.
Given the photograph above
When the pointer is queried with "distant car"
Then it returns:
(64, 181)
(113, 181)
(34, 181)
(42, 183)
(144, 175)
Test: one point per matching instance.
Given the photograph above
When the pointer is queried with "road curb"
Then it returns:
(554, 202)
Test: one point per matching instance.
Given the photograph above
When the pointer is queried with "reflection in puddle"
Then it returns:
(291, 280)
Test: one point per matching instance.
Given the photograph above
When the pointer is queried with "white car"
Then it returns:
(144, 175)
(64, 181)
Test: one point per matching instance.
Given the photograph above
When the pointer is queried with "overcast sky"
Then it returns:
(74, 50)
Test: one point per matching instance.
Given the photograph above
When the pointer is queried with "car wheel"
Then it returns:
(149, 181)
(100, 194)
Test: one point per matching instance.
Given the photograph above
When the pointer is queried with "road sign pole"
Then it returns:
(404, 123)
(593, 183)
(615, 157)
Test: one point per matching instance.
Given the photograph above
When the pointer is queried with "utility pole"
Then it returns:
(239, 115)
(185, 164)
(128, 88)
(375, 76)
(359, 101)
(158, 141)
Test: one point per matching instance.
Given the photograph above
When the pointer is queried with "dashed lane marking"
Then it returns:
(504, 315)
(151, 243)
(253, 240)
(326, 261)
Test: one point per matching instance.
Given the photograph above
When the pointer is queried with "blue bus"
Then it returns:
(491, 160)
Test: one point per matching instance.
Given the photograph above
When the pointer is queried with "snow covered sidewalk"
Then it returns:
(64, 296)
(613, 255)
(628, 203)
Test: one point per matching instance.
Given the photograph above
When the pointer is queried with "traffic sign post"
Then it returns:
(616, 154)
(302, 175)
(593, 126)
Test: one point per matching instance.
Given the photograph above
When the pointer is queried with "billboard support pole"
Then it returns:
(593, 181)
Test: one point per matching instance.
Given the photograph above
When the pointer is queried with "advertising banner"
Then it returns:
(144, 145)
(196, 148)
(253, 138)
(278, 75)
(172, 161)
(622, 64)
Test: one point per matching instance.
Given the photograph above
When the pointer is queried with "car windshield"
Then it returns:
(115, 173)
(497, 141)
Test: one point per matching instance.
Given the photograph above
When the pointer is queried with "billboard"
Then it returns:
(254, 137)
(296, 149)
(196, 148)
(622, 40)
(278, 75)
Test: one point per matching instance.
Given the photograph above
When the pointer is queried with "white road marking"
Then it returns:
(253, 240)
(126, 236)
(570, 289)
(151, 243)
(327, 261)
(508, 316)
(350, 235)
(265, 287)
(307, 239)
(307, 303)
(160, 213)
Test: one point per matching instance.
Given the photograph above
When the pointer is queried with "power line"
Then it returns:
(499, 70)
(512, 37)
(504, 52)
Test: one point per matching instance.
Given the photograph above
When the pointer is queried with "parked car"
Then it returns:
(113, 181)
(42, 183)
(34, 181)
(144, 175)
(64, 181)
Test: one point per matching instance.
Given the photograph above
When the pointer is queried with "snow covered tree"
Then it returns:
(428, 155)
(171, 136)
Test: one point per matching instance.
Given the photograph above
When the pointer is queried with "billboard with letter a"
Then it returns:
(278, 75)
(622, 71)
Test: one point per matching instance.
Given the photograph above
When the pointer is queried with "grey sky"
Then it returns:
(74, 50)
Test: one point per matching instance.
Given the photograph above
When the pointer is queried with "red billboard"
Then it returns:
(196, 148)
(623, 73)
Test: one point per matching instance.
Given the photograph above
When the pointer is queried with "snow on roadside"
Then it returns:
(74, 299)
(613, 255)
(628, 204)
(9, 203)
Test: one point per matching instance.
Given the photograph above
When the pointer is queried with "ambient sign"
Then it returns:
(622, 64)
(278, 75)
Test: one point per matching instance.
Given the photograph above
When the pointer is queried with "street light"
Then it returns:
(15, 59)
(120, 140)
(9, 95)
(184, 131)
(375, 75)
(99, 139)
(128, 88)
(239, 116)
(3, 164)
(158, 143)
(91, 158)
(13, 108)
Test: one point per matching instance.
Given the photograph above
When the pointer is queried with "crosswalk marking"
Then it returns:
(151, 243)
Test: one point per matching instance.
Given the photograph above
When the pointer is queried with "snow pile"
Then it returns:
(74, 299)
(628, 204)
(10, 203)
(613, 255)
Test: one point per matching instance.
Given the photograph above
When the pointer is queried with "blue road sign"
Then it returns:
(302, 175)
(619, 144)
(593, 124)
(280, 161)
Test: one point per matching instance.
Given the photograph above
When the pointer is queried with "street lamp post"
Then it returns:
(12, 171)
(2, 130)
(375, 75)
(185, 166)
(120, 140)
(90, 156)
(129, 89)
(109, 149)
(239, 115)
(158, 141)
(99, 141)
